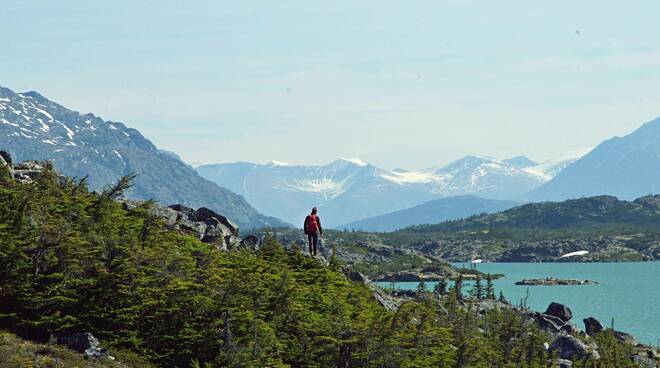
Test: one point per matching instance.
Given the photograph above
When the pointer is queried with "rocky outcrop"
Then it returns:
(386, 300)
(560, 311)
(550, 281)
(250, 242)
(552, 324)
(84, 343)
(25, 171)
(207, 225)
(592, 326)
(569, 347)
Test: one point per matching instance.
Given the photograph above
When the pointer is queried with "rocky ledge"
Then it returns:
(551, 281)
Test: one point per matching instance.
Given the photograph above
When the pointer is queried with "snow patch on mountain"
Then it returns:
(550, 168)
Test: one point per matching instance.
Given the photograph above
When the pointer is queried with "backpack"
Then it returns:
(311, 224)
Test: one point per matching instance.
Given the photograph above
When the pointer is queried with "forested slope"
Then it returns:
(79, 261)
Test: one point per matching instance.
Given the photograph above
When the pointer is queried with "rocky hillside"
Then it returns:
(84, 145)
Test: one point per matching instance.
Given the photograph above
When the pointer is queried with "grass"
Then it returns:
(18, 353)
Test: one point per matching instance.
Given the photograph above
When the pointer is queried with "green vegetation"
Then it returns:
(18, 353)
(80, 261)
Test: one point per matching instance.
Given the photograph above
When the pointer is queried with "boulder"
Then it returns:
(209, 226)
(559, 310)
(251, 242)
(552, 324)
(84, 343)
(569, 347)
(592, 326)
(204, 214)
(549, 323)
(564, 363)
(77, 341)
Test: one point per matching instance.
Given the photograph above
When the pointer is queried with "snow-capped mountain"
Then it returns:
(33, 127)
(348, 190)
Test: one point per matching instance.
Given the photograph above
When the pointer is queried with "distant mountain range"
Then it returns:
(432, 212)
(349, 190)
(625, 167)
(35, 128)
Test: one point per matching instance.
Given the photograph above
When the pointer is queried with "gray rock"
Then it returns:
(250, 242)
(84, 343)
(559, 310)
(569, 347)
(552, 324)
(564, 363)
(592, 326)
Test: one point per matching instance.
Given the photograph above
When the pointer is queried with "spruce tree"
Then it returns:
(477, 290)
(490, 289)
(440, 288)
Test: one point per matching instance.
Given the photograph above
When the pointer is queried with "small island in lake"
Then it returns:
(551, 281)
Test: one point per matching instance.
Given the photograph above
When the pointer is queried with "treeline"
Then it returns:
(73, 260)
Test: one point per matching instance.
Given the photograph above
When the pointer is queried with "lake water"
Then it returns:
(627, 292)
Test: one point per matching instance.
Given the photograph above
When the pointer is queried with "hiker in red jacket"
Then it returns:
(313, 230)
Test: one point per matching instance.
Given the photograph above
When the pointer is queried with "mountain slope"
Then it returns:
(625, 167)
(348, 190)
(33, 127)
(432, 212)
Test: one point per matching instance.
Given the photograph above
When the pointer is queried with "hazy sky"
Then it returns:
(400, 84)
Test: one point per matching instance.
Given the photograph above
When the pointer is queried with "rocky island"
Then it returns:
(551, 281)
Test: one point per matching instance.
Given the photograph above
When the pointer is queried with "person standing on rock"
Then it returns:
(313, 230)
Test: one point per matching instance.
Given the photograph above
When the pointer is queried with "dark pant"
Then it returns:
(313, 239)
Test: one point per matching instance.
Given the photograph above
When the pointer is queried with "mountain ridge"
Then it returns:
(85, 145)
(626, 167)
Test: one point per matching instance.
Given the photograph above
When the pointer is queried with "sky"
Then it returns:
(408, 84)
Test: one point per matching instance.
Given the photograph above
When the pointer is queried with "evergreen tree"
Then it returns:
(477, 291)
(490, 289)
(421, 288)
(440, 288)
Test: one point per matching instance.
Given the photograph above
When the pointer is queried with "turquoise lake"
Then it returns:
(627, 292)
